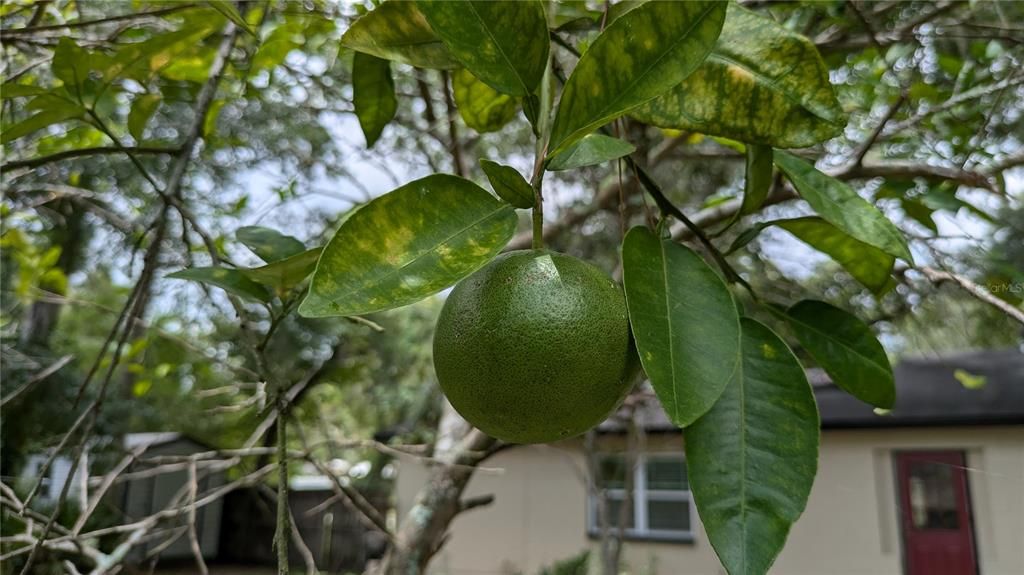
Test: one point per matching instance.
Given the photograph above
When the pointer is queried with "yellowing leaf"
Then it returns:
(642, 54)
(482, 108)
(408, 244)
(762, 83)
(396, 30)
(373, 94)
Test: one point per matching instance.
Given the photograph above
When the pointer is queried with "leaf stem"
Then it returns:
(541, 150)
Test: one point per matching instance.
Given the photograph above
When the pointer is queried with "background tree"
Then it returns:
(140, 140)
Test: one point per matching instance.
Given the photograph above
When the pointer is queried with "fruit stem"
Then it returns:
(538, 209)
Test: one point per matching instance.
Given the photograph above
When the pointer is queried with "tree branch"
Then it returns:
(980, 293)
(98, 150)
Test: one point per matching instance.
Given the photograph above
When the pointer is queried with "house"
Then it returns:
(935, 487)
(146, 494)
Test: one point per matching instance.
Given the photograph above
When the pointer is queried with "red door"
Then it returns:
(935, 513)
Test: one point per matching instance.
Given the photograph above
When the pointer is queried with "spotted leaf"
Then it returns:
(397, 31)
(482, 108)
(408, 244)
(762, 83)
(641, 55)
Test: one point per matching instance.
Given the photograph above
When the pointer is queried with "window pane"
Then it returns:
(614, 509)
(611, 471)
(668, 515)
(932, 496)
(666, 473)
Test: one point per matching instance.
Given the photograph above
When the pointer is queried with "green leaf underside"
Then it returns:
(270, 245)
(762, 83)
(752, 458)
(867, 264)
(397, 31)
(39, 121)
(285, 273)
(638, 57)
(482, 108)
(509, 184)
(408, 244)
(846, 348)
(758, 180)
(230, 280)
(504, 43)
(684, 321)
(13, 90)
(591, 149)
(840, 205)
(373, 94)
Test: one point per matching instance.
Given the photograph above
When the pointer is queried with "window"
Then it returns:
(660, 507)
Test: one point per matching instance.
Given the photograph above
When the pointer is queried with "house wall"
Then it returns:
(849, 528)
(145, 496)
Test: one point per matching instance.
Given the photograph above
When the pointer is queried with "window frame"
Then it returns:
(642, 495)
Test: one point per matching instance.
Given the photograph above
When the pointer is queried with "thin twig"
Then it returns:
(980, 293)
(37, 378)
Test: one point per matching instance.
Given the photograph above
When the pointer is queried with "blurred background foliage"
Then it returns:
(281, 148)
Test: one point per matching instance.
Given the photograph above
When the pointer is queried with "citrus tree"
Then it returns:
(533, 345)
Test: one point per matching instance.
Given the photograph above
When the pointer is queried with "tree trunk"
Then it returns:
(459, 448)
(40, 319)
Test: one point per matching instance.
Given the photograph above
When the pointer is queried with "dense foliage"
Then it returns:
(777, 185)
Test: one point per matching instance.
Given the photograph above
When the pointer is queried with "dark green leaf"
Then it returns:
(638, 57)
(39, 121)
(228, 9)
(396, 30)
(12, 90)
(143, 107)
(751, 460)
(509, 184)
(287, 273)
(71, 64)
(762, 83)
(210, 121)
(408, 244)
(373, 94)
(270, 245)
(758, 181)
(846, 349)
(591, 149)
(230, 280)
(482, 108)
(685, 323)
(920, 213)
(141, 60)
(840, 205)
(504, 43)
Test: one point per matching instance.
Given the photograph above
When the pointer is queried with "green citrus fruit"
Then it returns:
(535, 347)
